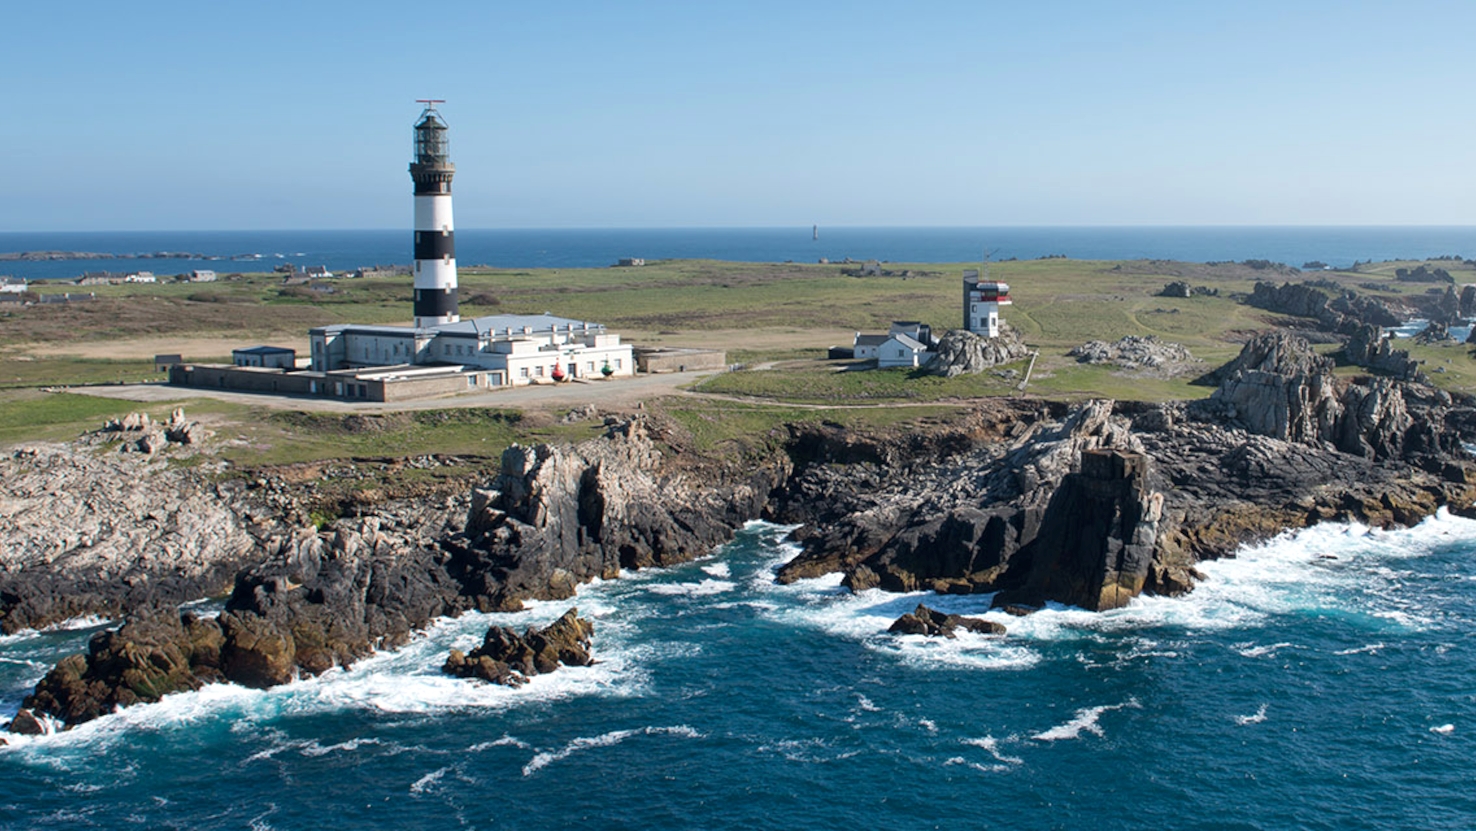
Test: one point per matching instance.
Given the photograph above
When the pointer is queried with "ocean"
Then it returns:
(1325, 679)
(245, 251)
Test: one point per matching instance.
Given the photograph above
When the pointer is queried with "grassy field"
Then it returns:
(780, 317)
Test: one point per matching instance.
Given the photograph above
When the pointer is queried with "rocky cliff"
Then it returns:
(1088, 505)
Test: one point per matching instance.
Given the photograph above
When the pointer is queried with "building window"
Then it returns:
(523, 372)
(538, 370)
(617, 363)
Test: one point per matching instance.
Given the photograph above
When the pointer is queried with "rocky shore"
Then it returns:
(1089, 504)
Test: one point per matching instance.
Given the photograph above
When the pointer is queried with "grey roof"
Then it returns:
(909, 342)
(871, 340)
(263, 350)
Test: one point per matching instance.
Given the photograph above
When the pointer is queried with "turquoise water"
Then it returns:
(595, 247)
(1326, 680)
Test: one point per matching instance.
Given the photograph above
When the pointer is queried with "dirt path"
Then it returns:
(619, 393)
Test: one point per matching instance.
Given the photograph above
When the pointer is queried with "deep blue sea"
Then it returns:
(1325, 680)
(585, 248)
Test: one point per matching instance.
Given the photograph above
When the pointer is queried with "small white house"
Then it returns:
(982, 302)
(901, 350)
(202, 275)
(140, 277)
(13, 285)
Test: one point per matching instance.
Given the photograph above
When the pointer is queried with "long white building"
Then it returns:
(513, 349)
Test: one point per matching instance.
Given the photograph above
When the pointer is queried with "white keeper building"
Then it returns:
(522, 349)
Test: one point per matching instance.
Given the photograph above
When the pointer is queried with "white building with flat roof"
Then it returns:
(526, 349)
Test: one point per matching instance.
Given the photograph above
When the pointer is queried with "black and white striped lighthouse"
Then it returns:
(435, 239)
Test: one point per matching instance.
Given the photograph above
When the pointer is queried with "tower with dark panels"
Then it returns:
(435, 237)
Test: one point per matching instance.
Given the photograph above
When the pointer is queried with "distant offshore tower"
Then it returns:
(435, 238)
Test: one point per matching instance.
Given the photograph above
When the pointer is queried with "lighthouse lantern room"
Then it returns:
(435, 240)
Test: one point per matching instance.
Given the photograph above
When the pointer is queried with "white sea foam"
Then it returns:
(1367, 648)
(865, 704)
(1249, 651)
(1257, 718)
(959, 760)
(505, 741)
(822, 603)
(721, 570)
(429, 780)
(928, 725)
(991, 745)
(705, 588)
(614, 737)
(1443, 730)
(1085, 721)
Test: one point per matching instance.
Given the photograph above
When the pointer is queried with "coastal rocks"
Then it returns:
(961, 352)
(958, 525)
(1369, 347)
(935, 624)
(1340, 313)
(560, 515)
(90, 533)
(144, 660)
(1098, 536)
(1279, 387)
(510, 659)
(1137, 352)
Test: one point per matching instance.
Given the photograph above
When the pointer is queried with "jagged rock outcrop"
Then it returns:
(561, 515)
(956, 525)
(1098, 536)
(1369, 347)
(1339, 313)
(935, 624)
(961, 352)
(1435, 332)
(1466, 303)
(150, 656)
(510, 659)
(1279, 387)
(91, 533)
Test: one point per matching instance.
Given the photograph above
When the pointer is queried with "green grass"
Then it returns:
(40, 372)
(819, 382)
(28, 415)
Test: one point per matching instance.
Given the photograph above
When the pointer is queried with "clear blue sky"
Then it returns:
(266, 115)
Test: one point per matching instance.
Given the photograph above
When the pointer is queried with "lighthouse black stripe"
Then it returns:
(435, 302)
(434, 245)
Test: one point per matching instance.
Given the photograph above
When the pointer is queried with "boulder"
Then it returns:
(510, 659)
(935, 624)
(961, 352)
(25, 723)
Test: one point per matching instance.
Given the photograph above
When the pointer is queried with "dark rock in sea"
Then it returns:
(935, 624)
(144, 660)
(510, 659)
(25, 724)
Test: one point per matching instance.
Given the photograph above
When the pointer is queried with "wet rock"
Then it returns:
(25, 723)
(935, 624)
(510, 659)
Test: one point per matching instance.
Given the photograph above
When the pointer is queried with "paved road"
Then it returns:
(624, 392)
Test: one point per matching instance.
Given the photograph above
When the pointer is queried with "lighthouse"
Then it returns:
(435, 238)
(982, 299)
